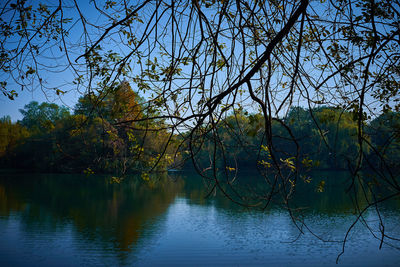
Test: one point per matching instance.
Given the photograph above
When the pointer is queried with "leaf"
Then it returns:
(307, 162)
(230, 168)
(321, 186)
(115, 180)
(289, 163)
(145, 176)
(30, 71)
(58, 92)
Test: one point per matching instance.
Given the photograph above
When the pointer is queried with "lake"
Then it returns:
(70, 220)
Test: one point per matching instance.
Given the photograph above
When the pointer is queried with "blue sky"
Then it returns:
(11, 107)
(59, 77)
(54, 73)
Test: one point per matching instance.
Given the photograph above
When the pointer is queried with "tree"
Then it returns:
(11, 135)
(117, 104)
(41, 118)
(143, 144)
(102, 136)
(198, 62)
(385, 135)
(328, 136)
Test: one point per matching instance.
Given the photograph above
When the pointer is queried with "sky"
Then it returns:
(54, 60)
(12, 107)
(54, 73)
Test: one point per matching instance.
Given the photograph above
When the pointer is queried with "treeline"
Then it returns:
(110, 133)
(320, 138)
(103, 134)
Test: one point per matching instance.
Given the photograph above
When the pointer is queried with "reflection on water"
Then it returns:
(48, 220)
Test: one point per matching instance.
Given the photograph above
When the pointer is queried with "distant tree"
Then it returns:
(11, 135)
(39, 118)
(142, 143)
(385, 138)
(116, 104)
(328, 135)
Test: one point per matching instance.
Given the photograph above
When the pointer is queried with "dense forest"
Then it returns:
(107, 133)
(91, 139)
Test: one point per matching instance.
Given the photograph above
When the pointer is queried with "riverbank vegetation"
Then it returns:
(89, 139)
(108, 134)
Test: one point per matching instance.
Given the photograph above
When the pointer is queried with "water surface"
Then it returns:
(69, 220)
